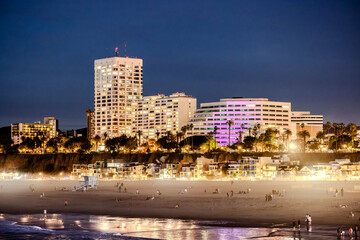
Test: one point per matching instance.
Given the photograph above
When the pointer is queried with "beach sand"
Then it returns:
(247, 210)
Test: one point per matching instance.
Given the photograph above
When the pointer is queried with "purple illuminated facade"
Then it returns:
(243, 113)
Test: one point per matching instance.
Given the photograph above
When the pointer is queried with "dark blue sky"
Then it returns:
(305, 52)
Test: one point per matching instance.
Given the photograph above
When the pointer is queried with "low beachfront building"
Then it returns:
(110, 168)
(243, 113)
(169, 170)
(245, 167)
(351, 170)
(322, 170)
(189, 171)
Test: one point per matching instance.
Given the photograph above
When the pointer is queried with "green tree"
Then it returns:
(248, 142)
(53, 144)
(314, 146)
(5, 143)
(320, 136)
(351, 130)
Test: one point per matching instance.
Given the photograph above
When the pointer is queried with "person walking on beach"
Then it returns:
(342, 192)
(299, 226)
(356, 229)
(66, 203)
(350, 232)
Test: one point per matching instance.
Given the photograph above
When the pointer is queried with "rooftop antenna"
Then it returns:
(125, 49)
(117, 51)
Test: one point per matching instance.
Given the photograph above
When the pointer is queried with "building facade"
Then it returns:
(301, 120)
(118, 84)
(155, 115)
(244, 113)
(47, 130)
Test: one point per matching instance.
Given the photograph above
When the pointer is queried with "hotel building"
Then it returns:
(244, 112)
(118, 84)
(160, 114)
(312, 123)
(48, 129)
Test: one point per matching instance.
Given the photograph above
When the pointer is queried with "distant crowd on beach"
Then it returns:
(342, 232)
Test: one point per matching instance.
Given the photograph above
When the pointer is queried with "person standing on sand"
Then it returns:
(338, 232)
(342, 192)
(299, 226)
(66, 203)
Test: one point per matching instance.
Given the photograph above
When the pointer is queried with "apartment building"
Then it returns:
(48, 129)
(155, 115)
(244, 113)
(118, 84)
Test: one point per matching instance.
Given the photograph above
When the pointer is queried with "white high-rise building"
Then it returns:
(118, 84)
(156, 115)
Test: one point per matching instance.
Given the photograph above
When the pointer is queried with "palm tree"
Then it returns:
(256, 129)
(97, 140)
(327, 127)
(287, 133)
(184, 130)
(215, 132)
(249, 129)
(105, 135)
(178, 136)
(229, 123)
(139, 133)
(157, 135)
(190, 127)
(304, 134)
(336, 131)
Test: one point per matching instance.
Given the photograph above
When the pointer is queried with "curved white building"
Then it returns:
(244, 112)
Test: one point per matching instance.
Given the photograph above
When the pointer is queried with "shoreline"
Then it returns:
(242, 210)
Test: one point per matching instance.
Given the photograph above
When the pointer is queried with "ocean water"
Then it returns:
(80, 226)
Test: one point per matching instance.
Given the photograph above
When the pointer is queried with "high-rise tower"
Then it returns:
(118, 84)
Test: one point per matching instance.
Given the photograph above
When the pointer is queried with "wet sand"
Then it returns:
(247, 210)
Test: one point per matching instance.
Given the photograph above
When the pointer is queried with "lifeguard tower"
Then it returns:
(88, 183)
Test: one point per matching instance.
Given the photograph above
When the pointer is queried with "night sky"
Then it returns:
(305, 52)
